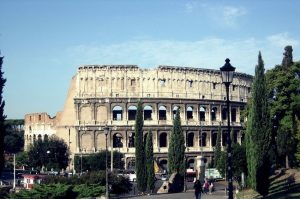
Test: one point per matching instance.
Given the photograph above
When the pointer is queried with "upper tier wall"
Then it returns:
(161, 82)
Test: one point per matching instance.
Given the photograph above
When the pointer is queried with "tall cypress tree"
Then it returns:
(2, 116)
(140, 150)
(217, 149)
(258, 133)
(176, 147)
(150, 162)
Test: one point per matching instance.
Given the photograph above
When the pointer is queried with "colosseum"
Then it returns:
(101, 95)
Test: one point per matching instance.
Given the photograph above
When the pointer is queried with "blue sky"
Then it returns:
(44, 42)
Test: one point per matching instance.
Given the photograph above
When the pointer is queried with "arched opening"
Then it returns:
(132, 112)
(202, 139)
(39, 137)
(224, 138)
(30, 138)
(163, 140)
(191, 164)
(162, 113)
(131, 163)
(131, 140)
(174, 111)
(233, 114)
(224, 113)
(214, 114)
(34, 137)
(190, 140)
(163, 164)
(235, 136)
(214, 138)
(45, 137)
(117, 113)
(189, 113)
(117, 140)
(147, 112)
(202, 113)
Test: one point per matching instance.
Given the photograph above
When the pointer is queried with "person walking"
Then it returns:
(198, 189)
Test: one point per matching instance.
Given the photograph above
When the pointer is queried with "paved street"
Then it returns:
(219, 193)
(187, 195)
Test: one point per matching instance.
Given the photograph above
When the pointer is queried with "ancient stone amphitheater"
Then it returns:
(102, 95)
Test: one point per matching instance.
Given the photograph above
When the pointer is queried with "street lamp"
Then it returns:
(227, 72)
(106, 129)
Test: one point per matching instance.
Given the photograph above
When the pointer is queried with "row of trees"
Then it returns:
(273, 125)
(144, 152)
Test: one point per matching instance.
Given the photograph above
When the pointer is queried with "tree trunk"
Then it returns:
(287, 166)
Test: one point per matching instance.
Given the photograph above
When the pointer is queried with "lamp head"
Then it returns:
(227, 72)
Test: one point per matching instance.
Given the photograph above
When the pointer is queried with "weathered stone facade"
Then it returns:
(102, 95)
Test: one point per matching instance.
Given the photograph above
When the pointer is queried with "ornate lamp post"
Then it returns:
(106, 129)
(227, 72)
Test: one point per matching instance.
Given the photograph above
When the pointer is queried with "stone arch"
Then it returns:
(163, 140)
(117, 113)
(189, 113)
(85, 114)
(202, 139)
(162, 113)
(101, 141)
(214, 111)
(190, 139)
(30, 138)
(86, 142)
(117, 140)
(224, 138)
(132, 112)
(131, 163)
(34, 137)
(214, 138)
(191, 163)
(174, 111)
(39, 137)
(46, 137)
(233, 114)
(202, 111)
(224, 113)
(163, 164)
(148, 112)
(131, 140)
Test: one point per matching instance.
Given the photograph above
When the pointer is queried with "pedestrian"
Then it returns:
(198, 189)
(206, 186)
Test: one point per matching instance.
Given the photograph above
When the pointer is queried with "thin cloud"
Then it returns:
(282, 40)
(190, 6)
(205, 53)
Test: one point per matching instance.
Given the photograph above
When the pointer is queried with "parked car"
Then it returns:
(130, 174)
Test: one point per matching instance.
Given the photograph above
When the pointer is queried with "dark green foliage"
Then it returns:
(2, 116)
(95, 162)
(51, 191)
(239, 160)
(150, 162)
(140, 165)
(176, 162)
(119, 184)
(88, 190)
(258, 133)
(217, 151)
(287, 60)
(52, 153)
(284, 97)
(14, 137)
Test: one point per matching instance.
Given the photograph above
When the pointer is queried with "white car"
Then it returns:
(131, 175)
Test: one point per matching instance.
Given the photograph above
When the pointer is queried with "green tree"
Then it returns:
(258, 133)
(14, 137)
(95, 162)
(2, 116)
(284, 97)
(140, 150)
(239, 159)
(150, 162)
(52, 153)
(176, 162)
(217, 150)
